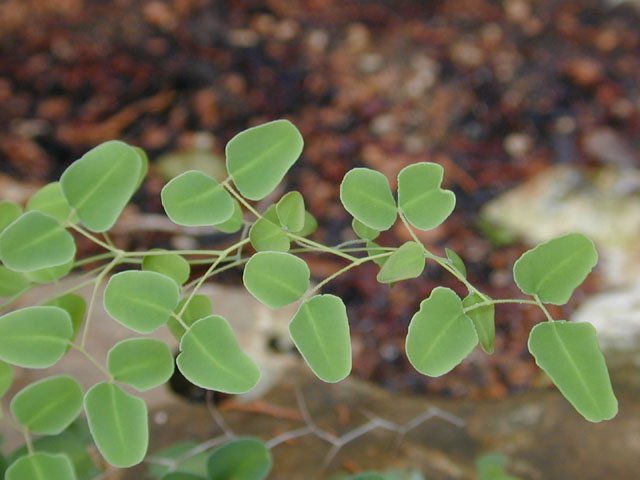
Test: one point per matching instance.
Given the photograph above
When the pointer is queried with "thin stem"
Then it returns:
(543, 308)
(229, 266)
(180, 321)
(240, 198)
(27, 440)
(93, 360)
(107, 239)
(98, 282)
(320, 247)
(505, 300)
(94, 258)
(14, 298)
(170, 252)
(93, 238)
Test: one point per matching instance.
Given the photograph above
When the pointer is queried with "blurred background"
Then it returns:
(532, 108)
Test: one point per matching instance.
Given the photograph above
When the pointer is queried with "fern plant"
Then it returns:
(155, 288)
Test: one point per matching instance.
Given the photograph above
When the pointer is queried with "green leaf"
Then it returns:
(554, 269)
(51, 274)
(195, 199)
(268, 236)
(144, 159)
(406, 262)
(35, 241)
(187, 464)
(276, 279)
(363, 231)
(34, 337)
(171, 265)
(75, 306)
(374, 249)
(211, 358)
(320, 330)
(440, 334)
(141, 301)
(569, 354)
(9, 212)
(310, 225)
(491, 466)
(456, 261)
(290, 210)
(12, 283)
(6, 377)
(118, 424)
(367, 196)
(241, 459)
(235, 222)
(259, 158)
(41, 466)
(143, 363)
(484, 320)
(182, 476)
(420, 197)
(199, 307)
(271, 214)
(48, 406)
(50, 200)
(100, 184)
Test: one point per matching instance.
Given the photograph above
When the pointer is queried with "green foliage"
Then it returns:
(367, 196)
(100, 184)
(195, 199)
(211, 358)
(49, 405)
(242, 459)
(569, 354)
(420, 197)
(320, 330)
(491, 466)
(143, 363)
(36, 247)
(259, 158)
(118, 423)
(554, 269)
(141, 301)
(276, 279)
(51, 200)
(41, 466)
(440, 334)
(406, 262)
(35, 241)
(34, 337)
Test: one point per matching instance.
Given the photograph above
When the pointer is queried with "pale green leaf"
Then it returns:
(171, 265)
(276, 279)
(199, 307)
(259, 158)
(440, 334)
(9, 212)
(50, 200)
(310, 225)
(290, 210)
(12, 283)
(211, 358)
(143, 363)
(35, 241)
(569, 354)
(456, 261)
(240, 459)
(363, 231)
(554, 269)
(420, 197)
(182, 476)
(406, 262)
(144, 159)
(320, 330)
(235, 222)
(180, 454)
(75, 306)
(118, 423)
(141, 301)
(6, 377)
(367, 196)
(483, 319)
(195, 199)
(491, 466)
(34, 337)
(48, 406)
(268, 236)
(374, 249)
(41, 466)
(100, 184)
(51, 274)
